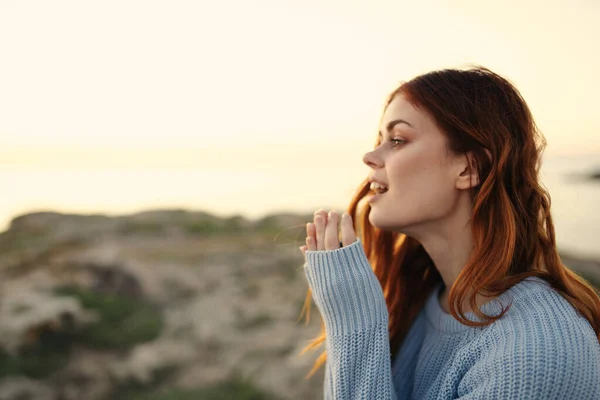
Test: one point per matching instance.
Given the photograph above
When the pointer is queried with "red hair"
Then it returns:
(477, 110)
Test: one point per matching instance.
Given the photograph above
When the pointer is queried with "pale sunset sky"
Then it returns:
(241, 97)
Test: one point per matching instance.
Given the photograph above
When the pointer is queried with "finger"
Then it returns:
(320, 224)
(311, 244)
(323, 213)
(332, 237)
(303, 251)
(348, 233)
(311, 231)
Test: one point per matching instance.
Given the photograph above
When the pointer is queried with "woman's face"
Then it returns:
(421, 177)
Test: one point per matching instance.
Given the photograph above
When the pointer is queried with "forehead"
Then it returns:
(400, 108)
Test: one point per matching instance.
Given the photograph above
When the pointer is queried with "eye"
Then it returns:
(396, 142)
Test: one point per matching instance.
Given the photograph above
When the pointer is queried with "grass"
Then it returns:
(141, 228)
(123, 322)
(234, 224)
(49, 354)
(232, 389)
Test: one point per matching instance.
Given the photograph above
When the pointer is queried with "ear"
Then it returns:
(468, 177)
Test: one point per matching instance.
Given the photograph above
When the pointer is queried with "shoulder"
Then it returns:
(539, 315)
(542, 343)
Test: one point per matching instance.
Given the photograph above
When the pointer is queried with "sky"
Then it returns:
(229, 87)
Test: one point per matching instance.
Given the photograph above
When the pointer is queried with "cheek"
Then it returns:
(420, 180)
(411, 169)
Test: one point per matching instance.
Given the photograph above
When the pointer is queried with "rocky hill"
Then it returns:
(159, 305)
(156, 305)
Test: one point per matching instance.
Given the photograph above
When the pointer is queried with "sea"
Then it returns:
(253, 193)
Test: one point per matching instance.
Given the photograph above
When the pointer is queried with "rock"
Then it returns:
(86, 377)
(229, 302)
(112, 267)
(26, 311)
(22, 388)
(109, 279)
(147, 359)
(56, 226)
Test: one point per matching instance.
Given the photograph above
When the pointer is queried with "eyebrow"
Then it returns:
(393, 123)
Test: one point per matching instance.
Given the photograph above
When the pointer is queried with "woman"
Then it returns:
(454, 288)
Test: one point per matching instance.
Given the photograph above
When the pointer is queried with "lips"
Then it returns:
(375, 197)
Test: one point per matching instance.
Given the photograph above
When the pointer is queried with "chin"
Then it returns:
(380, 222)
(386, 223)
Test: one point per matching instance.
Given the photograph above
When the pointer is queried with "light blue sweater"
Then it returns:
(540, 349)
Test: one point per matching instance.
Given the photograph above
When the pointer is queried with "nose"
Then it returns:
(372, 160)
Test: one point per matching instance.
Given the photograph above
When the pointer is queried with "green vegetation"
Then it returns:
(235, 223)
(210, 227)
(40, 360)
(123, 322)
(207, 225)
(232, 389)
(268, 225)
(203, 228)
(141, 228)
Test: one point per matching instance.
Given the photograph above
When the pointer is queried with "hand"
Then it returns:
(323, 233)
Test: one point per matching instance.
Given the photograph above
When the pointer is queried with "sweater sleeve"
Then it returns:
(351, 302)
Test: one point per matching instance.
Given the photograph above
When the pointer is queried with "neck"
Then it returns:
(449, 243)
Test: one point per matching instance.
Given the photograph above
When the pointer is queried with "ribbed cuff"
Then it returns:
(345, 289)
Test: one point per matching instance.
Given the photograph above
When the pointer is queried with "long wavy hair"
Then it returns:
(477, 110)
